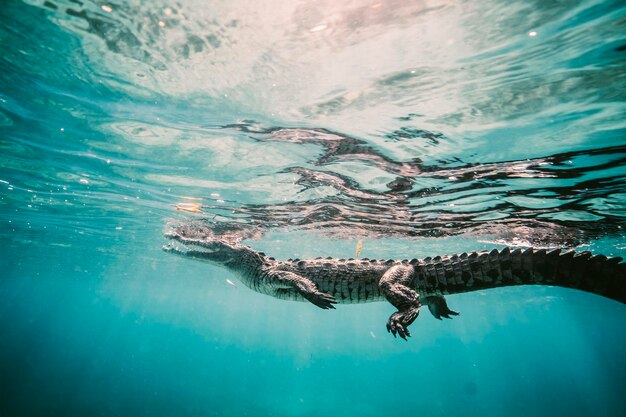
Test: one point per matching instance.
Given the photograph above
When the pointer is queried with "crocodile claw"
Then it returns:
(398, 323)
(450, 313)
(395, 327)
(321, 299)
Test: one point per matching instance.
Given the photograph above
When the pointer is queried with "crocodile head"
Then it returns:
(198, 241)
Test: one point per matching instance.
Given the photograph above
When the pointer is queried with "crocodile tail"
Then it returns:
(481, 270)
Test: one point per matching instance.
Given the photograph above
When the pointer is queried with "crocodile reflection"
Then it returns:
(338, 148)
(515, 199)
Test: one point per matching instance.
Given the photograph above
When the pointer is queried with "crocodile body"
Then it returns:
(404, 283)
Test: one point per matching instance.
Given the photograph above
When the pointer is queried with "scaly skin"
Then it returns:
(404, 283)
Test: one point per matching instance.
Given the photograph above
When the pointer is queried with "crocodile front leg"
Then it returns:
(305, 287)
(395, 285)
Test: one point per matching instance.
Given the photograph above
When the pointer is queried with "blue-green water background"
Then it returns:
(112, 114)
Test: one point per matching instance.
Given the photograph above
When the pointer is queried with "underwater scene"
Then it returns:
(396, 138)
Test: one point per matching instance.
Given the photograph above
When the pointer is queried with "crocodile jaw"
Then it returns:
(191, 248)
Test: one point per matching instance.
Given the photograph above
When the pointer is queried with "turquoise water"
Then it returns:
(419, 128)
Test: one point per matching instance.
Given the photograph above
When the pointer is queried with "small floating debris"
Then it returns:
(189, 207)
(229, 282)
(372, 335)
(359, 246)
(83, 181)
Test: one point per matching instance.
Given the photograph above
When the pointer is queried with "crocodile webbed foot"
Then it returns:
(439, 307)
(399, 322)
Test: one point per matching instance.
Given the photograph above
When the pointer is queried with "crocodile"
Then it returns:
(405, 283)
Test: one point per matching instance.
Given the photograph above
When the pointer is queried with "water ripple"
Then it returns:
(402, 119)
